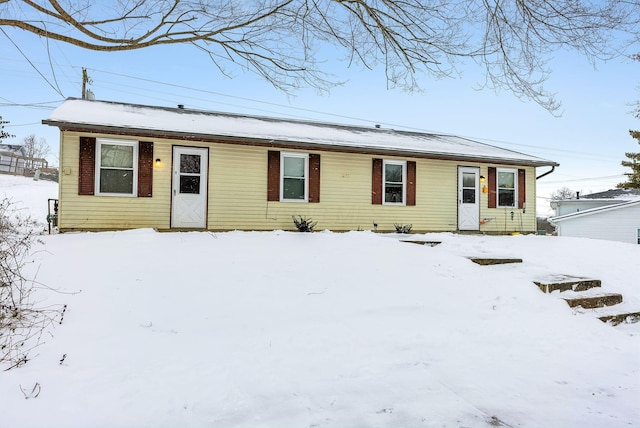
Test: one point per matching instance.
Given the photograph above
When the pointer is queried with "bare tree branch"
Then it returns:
(284, 40)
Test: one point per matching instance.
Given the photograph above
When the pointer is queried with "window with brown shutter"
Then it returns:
(507, 187)
(273, 176)
(522, 188)
(296, 175)
(118, 167)
(314, 178)
(145, 169)
(87, 166)
(376, 182)
(411, 183)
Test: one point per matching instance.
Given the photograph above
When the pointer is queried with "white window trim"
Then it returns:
(113, 141)
(386, 162)
(304, 156)
(515, 187)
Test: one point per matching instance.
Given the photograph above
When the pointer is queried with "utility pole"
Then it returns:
(85, 80)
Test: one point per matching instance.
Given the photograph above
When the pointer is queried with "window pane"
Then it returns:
(393, 193)
(190, 164)
(190, 183)
(393, 173)
(116, 181)
(506, 198)
(469, 196)
(506, 180)
(293, 188)
(468, 179)
(293, 167)
(116, 156)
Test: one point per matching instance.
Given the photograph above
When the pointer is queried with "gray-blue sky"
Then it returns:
(589, 139)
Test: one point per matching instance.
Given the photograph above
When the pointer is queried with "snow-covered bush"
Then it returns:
(22, 323)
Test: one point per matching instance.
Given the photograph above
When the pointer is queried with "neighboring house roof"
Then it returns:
(621, 194)
(14, 149)
(593, 211)
(111, 117)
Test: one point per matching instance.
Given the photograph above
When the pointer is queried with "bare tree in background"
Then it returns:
(34, 148)
(287, 41)
(562, 194)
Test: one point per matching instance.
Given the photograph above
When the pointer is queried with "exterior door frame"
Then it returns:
(188, 207)
(468, 212)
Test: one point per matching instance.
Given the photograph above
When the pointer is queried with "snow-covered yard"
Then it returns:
(284, 329)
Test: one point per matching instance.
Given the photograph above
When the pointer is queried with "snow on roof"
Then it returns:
(595, 211)
(104, 115)
(615, 194)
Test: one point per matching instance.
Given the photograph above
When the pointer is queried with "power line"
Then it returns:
(57, 89)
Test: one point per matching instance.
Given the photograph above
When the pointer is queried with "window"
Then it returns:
(116, 167)
(507, 189)
(638, 236)
(395, 178)
(294, 173)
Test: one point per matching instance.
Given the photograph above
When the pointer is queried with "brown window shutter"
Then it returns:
(376, 182)
(145, 169)
(314, 178)
(273, 175)
(522, 188)
(87, 166)
(411, 183)
(493, 191)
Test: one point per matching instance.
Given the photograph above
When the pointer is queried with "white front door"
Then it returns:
(189, 187)
(468, 198)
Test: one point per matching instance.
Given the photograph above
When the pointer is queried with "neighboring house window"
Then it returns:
(113, 167)
(395, 178)
(507, 188)
(393, 182)
(293, 177)
(295, 170)
(116, 167)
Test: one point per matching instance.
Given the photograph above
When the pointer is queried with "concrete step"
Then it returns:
(494, 261)
(595, 301)
(562, 283)
(627, 318)
(429, 243)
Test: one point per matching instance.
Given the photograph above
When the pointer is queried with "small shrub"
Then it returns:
(403, 228)
(22, 322)
(304, 224)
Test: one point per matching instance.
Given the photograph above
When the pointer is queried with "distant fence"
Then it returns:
(13, 164)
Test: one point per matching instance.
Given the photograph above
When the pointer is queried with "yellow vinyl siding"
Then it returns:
(237, 194)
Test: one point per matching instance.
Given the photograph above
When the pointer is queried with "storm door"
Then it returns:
(468, 198)
(189, 187)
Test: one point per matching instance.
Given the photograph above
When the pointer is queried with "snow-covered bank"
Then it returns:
(282, 329)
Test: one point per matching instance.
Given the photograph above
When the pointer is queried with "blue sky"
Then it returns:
(589, 139)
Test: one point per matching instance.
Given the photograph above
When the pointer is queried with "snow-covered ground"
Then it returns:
(283, 329)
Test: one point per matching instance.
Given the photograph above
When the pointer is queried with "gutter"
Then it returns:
(553, 168)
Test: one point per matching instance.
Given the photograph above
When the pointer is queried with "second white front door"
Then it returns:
(189, 187)
(468, 198)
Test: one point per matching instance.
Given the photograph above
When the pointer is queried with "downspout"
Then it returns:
(553, 168)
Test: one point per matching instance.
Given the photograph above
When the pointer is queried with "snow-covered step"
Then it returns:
(627, 318)
(562, 283)
(487, 261)
(428, 243)
(596, 301)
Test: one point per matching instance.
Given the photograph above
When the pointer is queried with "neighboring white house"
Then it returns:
(613, 215)
(12, 158)
(594, 200)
